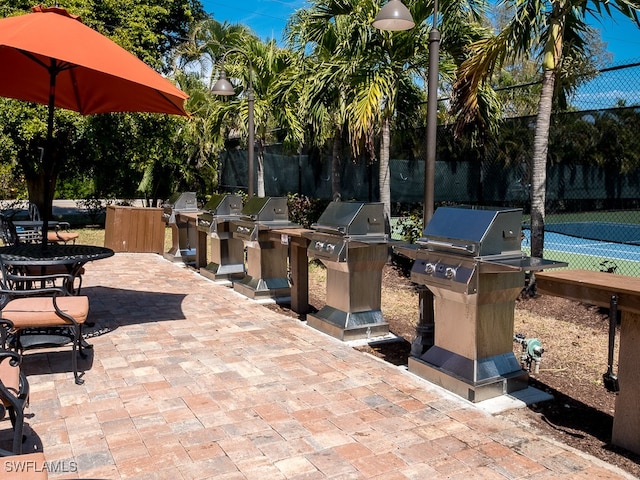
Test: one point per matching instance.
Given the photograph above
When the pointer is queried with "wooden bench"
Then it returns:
(597, 288)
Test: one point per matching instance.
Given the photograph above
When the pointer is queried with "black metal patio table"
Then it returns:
(72, 257)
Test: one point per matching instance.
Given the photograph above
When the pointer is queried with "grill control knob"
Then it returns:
(330, 247)
(319, 245)
(429, 269)
(450, 273)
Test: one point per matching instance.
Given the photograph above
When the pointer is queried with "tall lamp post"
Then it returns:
(395, 16)
(224, 87)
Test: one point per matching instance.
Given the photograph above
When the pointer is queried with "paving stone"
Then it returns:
(189, 380)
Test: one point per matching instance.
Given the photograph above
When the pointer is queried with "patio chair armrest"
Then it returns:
(6, 324)
(57, 281)
(6, 328)
(14, 387)
(63, 226)
(15, 357)
(35, 292)
(62, 313)
(12, 277)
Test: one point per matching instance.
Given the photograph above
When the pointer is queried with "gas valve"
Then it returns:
(531, 352)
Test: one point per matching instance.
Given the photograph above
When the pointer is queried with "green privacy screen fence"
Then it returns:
(593, 177)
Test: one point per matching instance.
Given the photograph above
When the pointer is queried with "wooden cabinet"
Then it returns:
(134, 229)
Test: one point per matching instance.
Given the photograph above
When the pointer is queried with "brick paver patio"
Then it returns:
(189, 380)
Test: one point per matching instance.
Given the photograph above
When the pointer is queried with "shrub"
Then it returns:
(303, 210)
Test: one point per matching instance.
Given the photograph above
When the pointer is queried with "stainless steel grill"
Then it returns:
(351, 240)
(472, 262)
(227, 253)
(180, 211)
(267, 260)
(261, 214)
(342, 224)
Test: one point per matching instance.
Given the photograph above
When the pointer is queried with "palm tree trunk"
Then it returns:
(384, 176)
(539, 163)
(260, 158)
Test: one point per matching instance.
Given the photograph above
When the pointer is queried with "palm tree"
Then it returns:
(552, 30)
(197, 62)
(276, 97)
(322, 98)
(357, 73)
(271, 78)
(374, 69)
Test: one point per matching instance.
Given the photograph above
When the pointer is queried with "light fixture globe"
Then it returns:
(394, 16)
(223, 86)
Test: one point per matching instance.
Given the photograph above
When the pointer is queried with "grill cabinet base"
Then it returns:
(184, 238)
(498, 375)
(354, 290)
(266, 276)
(348, 325)
(227, 260)
(473, 354)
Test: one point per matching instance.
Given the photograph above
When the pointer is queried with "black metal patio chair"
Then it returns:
(14, 388)
(43, 312)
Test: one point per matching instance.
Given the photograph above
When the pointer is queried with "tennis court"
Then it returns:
(592, 245)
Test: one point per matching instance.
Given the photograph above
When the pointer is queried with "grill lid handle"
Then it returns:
(451, 246)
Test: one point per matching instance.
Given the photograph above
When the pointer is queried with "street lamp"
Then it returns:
(224, 87)
(395, 16)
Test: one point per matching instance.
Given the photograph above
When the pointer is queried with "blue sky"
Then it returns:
(268, 18)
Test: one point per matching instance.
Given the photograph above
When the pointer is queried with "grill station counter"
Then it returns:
(179, 212)
(351, 240)
(472, 262)
(267, 260)
(227, 253)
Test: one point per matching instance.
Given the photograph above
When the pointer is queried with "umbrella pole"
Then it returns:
(48, 160)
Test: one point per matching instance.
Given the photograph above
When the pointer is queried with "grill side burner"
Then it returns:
(227, 253)
(350, 239)
(180, 214)
(267, 260)
(471, 260)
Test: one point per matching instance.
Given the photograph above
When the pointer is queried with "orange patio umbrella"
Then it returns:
(50, 57)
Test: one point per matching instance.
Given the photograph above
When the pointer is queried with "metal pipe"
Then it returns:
(609, 379)
(432, 118)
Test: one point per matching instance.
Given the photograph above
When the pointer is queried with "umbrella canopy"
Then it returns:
(92, 74)
(49, 56)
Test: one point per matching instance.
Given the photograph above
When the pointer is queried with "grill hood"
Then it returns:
(474, 231)
(182, 202)
(222, 204)
(261, 214)
(218, 211)
(266, 209)
(356, 220)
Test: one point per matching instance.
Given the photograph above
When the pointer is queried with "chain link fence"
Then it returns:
(593, 172)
